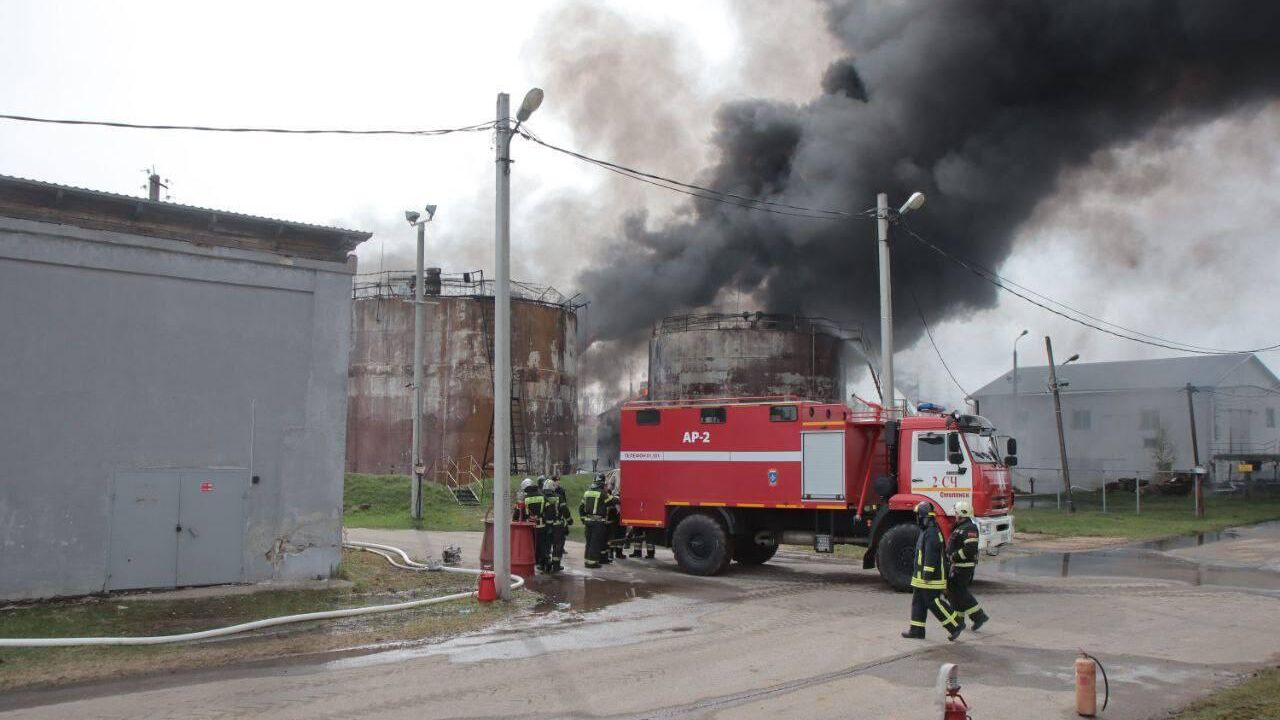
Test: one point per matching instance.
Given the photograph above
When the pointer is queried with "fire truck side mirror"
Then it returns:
(1011, 446)
(955, 458)
(1010, 460)
(953, 444)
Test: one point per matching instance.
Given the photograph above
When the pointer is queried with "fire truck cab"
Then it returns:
(731, 479)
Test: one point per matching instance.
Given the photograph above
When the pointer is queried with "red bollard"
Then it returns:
(488, 591)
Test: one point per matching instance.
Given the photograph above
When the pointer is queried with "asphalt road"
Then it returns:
(801, 637)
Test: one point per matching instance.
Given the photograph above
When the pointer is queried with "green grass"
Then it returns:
(1160, 516)
(1257, 698)
(373, 581)
(382, 501)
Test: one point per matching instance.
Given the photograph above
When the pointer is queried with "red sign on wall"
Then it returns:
(206, 487)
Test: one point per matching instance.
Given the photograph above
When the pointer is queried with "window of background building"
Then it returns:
(1271, 417)
(1081, 420)
(1149, 420)
(1149, 443)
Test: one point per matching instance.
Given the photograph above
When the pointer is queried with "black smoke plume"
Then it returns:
(981, 105)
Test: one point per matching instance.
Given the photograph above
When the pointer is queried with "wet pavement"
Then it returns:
(799, 637)
(1157, 560)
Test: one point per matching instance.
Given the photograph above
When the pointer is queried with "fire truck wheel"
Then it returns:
(701, 545)
(748, 552)
(893, 555)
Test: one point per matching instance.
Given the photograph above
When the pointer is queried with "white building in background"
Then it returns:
(1119, 418)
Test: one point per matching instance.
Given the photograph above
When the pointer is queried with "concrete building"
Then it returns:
(457, 406)
(1123, 418)
(172, 393)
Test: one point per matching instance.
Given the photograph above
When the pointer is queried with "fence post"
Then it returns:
(1137, 492)
(1057, 495)
(1104, 492)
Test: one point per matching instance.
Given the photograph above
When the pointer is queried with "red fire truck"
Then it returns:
(731, 479)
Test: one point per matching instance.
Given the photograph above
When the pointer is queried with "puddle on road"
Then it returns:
(1147, 561)
(585, 593)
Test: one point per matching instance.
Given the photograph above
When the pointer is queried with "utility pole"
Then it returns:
(1062, 439)
(1195, 452)
(886, 303)
(502, 353)
(415, 501)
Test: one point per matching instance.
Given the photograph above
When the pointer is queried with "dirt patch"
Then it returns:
(1036, 543)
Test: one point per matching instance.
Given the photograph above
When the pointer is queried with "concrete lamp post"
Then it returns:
(415, 499)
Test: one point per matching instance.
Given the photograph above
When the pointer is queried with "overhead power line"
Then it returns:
(701, 191)
(214, 128)
(1009, 287)
(929, 334)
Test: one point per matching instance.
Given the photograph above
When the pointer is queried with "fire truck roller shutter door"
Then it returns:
(822, 466)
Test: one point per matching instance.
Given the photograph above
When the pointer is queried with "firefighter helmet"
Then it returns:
(548, 485)
(924, 513)
(527, 483)
(964, 509)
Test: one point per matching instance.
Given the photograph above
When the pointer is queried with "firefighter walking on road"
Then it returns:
(592, 510)
(929, 579)
(962, 549)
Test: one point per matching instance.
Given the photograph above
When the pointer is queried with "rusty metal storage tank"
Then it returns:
(457, 411)
(749, 355)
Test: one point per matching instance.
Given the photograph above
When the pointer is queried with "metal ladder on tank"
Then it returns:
(519, 445)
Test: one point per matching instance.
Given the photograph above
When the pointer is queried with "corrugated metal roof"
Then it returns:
(1161, 373)
(179, 206)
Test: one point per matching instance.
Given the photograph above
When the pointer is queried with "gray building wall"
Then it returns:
(121, 352)
(1108, 437)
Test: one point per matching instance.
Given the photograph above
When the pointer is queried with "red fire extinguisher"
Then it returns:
(953, 705)
(1087, 685)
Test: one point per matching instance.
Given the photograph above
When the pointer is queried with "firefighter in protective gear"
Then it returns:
(613, 517)
(592, 512)
(558, 519)
(519, 513)
(929, 579)
(534, 508)
(962, 550)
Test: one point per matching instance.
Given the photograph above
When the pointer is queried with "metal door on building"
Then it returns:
(822, 469)
(177, 527)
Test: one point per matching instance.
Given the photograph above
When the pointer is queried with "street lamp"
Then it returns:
(502, 334)
(415, 498)
(883, 215)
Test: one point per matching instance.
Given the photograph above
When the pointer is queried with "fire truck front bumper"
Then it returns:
(994, 533)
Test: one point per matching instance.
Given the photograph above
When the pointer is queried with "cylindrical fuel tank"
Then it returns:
(458, 392)
(747, 355)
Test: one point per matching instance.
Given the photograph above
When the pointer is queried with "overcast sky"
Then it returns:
(1171, 235)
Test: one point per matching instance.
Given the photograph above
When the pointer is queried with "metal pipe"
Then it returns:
(502, 350)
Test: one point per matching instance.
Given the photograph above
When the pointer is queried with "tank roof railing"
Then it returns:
(756, 320)
(398, 284)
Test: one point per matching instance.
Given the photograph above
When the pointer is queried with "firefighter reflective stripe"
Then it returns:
(964, 564)
(591, 503)
(972, 610)
(919, 582)
(929, 569)
(917, 623)
(952, 618)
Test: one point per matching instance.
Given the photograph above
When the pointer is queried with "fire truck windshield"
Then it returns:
(982, 448)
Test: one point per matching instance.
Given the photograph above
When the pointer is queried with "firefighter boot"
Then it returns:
(635, 551)
(979, 619)
(955, 632)
(915, 632)
(649, 554)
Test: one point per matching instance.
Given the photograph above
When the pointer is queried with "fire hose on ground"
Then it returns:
(386, 551)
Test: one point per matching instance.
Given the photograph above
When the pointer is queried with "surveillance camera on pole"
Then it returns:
(417, 468)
